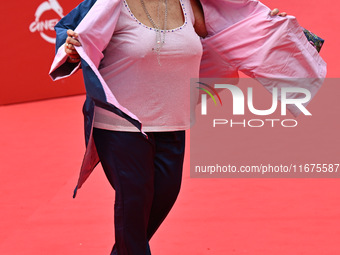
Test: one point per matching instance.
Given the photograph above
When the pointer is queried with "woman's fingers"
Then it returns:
(73, 56)
(69, 49)
(71, 33)
(274, 12)
(72, 38)
(71, 41)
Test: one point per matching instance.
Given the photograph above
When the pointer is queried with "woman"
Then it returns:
(154, 43)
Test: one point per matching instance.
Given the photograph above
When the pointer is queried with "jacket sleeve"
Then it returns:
(272, 50)
(60, 67)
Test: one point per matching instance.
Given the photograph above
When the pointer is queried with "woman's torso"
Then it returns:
(153, 85)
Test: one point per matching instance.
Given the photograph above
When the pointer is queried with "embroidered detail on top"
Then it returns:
(162, 31)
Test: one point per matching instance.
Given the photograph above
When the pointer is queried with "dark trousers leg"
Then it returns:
(146, 175)
(126, 158)
(168, 164)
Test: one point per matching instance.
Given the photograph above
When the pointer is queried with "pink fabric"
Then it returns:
(94, 32)
(57, 70)
(221, 14)
(157, 92)
(273, 50)
(263, 46)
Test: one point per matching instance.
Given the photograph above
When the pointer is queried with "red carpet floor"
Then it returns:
(41, 150)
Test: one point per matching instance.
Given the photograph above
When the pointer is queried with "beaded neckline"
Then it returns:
(151, 28)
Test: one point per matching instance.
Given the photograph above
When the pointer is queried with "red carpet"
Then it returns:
(41, 150)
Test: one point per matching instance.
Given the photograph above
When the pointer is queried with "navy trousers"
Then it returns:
(146, 175)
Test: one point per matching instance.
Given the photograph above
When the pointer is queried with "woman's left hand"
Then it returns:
(276, 11)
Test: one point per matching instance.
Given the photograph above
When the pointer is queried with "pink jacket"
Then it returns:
(242, 36)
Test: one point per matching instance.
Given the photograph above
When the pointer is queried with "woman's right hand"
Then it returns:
(71, 41)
